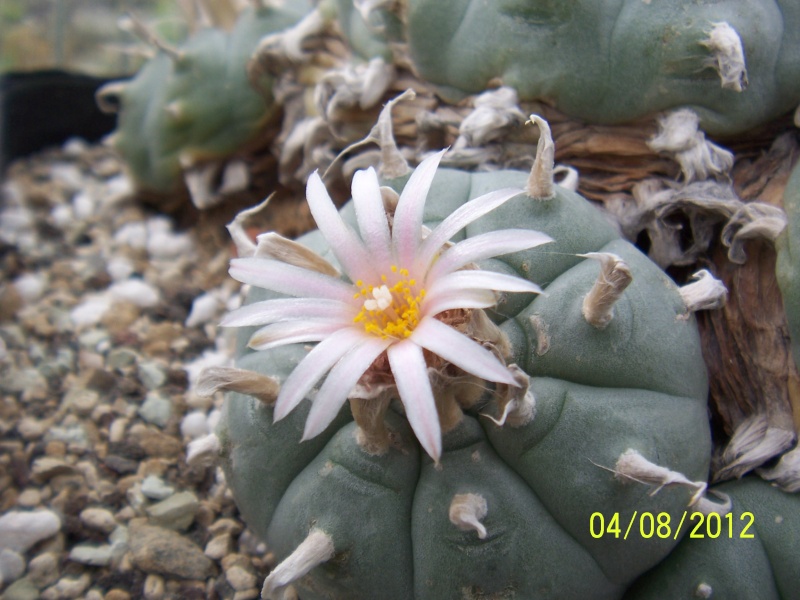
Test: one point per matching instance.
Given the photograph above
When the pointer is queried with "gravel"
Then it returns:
(108, 312)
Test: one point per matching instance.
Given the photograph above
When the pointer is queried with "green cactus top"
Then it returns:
(398, 525)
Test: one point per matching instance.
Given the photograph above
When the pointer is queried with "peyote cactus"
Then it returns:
(196, 102)
(749, 548)
(599, 386)
(788, 267)
(733, 62)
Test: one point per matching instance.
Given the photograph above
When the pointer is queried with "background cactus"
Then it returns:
(733, 62)
(508, 509)
(196, 102)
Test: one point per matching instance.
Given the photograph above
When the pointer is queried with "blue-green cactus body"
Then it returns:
(199, 104)
(638, 384)
(616, 61)
(752, 552)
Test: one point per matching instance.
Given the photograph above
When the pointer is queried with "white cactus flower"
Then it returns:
(399, 292)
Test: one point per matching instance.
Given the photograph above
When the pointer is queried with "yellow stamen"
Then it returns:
(390, 311)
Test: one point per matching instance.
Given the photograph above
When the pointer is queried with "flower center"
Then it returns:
(390, 311)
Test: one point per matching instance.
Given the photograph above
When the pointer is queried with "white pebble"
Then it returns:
(30, 286)
(213, 418)
(132, 234)
(120, 268)
(12, 566)
(21, 530)
(83, 206)
(136, 291)
(91, 310)
(204, 309)
(194, 425)
(62, 215)
(100, 519)
(154, 488)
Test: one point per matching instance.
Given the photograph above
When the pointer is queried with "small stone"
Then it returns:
(12, 566)
(250, 594)
(154, 488)
(153, 587)
(32, 429)
(117, 594)
(116, 432)
(194, 425)
(135, 291)
(120, 464)
(176, 512)
(219, 546)
(122, 358)
(155, 443)
(156, 409)
(100, 519)
(93, 595)
(152, 374)
(231, 526)
(240, 578)
(46, 467)
(163, 551)
(29, 498)
(82, 400)
(67, 587)
(91, 310)
(21, 530)
(89, 554)
(43, 569)
(22, 589)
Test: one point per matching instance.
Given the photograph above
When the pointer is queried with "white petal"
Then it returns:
(457, 220)
(344, 242)
(433, 305)
(283, 309)
(461, 351)
(479, 279)
(294, 332)
(411, 376)
(407, 225)
(340, 382)
(311, 369)
(371, 217)
(486, 245)
(288, 279)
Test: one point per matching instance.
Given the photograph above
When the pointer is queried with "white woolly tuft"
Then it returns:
(727, 56)
(466, 512)
(316, 549)
(706, 293)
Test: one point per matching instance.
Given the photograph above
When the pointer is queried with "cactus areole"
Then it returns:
(506, 358)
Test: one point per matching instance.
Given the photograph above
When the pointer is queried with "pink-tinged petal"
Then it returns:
(344, 242)
(371, 216)
(284, 309)
(411, 376)
(486, 245)
(435, 304)
(461, 351)
(479, 279)
(407, 225)
(340, 382)
(313, 367)
(457, 220)
(294, 332)
(290, 280)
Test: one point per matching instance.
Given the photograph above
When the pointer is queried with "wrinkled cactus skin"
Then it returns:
(640, 383)
(787, 267)
(612, 62)
(765, 566)
(200, 105)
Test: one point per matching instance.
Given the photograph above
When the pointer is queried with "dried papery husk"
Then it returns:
(746, 343)
(316, 549)
(754, 442)
(785, 474)
(372, 435)
(466, 512)
(243, 381)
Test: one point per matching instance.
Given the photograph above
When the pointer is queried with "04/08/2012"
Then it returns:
(661, 525)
